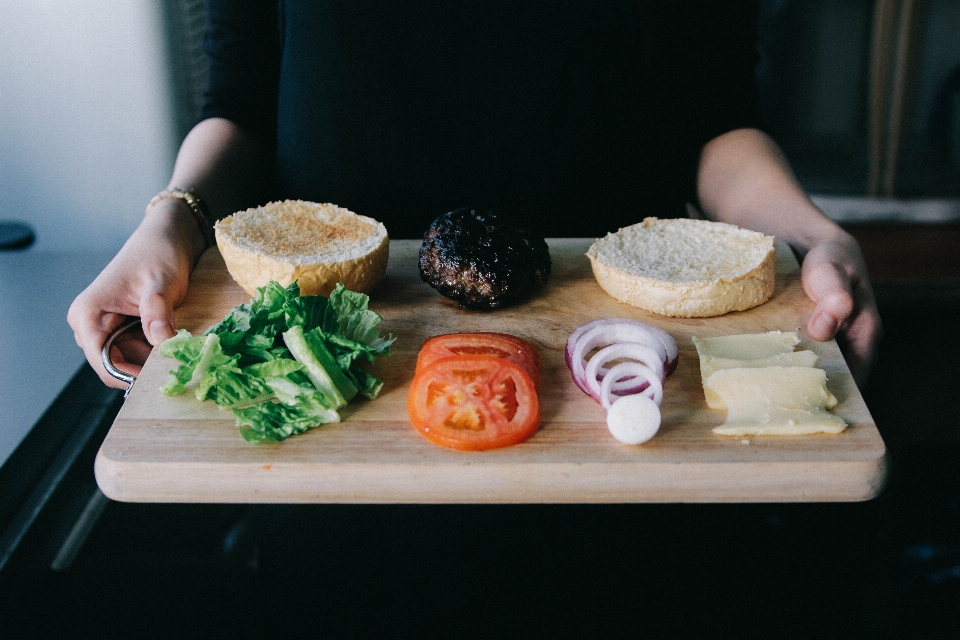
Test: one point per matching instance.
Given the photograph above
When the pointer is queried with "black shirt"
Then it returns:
(574, 117)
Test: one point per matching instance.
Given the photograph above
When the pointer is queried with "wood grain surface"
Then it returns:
(176, 449)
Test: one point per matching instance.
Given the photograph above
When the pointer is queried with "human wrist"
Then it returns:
(171, 218)
(195, 205)
(824, 233)
(801, 224)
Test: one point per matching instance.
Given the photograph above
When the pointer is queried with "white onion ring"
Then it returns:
(651, 335)
(626, 386)
(673, 352)
(669, 344)
(609, 331)
(654, 390)
(646, 355)
(605, 334)
(623, 350)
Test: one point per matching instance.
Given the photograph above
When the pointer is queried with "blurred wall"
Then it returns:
(86, 133)
(814, 81)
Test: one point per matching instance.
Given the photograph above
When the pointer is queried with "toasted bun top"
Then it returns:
(683, 251)
(301, 232)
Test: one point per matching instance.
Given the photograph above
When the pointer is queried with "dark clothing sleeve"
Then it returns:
(575, 117)
(242, 43)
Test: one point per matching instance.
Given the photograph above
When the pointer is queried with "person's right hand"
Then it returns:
(147, 278)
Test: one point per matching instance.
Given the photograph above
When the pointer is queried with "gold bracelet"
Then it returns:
(197, 208)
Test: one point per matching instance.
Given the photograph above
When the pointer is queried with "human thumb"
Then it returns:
(156, 317)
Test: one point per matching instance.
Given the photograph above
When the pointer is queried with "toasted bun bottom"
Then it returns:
(689, 300)
(316, 244)
(252, 270)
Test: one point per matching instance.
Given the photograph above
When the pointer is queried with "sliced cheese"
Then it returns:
(709, 366)
(751, 346)
(774, 401)
(750, 351)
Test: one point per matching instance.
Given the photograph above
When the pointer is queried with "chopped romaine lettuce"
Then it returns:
(281, 362)
(356, 321)
(275, 421)
(369, 386)
(199, 364)
(322, 369)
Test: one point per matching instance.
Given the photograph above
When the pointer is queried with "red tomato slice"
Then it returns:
(473, 402)
(527, 347)
(510, 348)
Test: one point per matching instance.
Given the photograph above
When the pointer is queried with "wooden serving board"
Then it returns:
(176, 449)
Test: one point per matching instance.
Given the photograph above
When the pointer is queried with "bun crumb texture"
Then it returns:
(316, 244)
(686, 268)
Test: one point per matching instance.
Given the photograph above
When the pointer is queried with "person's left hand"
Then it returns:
(834, 276)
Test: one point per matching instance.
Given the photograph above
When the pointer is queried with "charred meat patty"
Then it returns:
(481, 260)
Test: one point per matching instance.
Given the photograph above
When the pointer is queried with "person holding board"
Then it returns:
(574, 118)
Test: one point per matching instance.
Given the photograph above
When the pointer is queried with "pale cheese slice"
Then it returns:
(774, 401)
(750, 346)
(755, 350)
(709, 366)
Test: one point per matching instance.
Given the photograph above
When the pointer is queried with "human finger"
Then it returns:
(91, 331)
(846, 308)
(156, 316)
(858, 341)
(832, 291)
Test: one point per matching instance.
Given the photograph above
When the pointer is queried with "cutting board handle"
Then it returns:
(122, 376)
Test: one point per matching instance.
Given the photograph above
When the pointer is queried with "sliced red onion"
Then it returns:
(669, 344)
(618, 330)
(635, 370)
(634, 385)
(605, 334)
(621, 351)
(627, 386)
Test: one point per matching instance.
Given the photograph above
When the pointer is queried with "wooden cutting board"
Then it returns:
(176, 449)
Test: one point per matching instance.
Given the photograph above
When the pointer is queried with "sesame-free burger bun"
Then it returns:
(686, 268)
(317, 245)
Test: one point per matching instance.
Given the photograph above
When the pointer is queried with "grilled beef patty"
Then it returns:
(482, 261)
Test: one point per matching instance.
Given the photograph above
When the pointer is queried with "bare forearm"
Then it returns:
(223, 165)
(745, 180)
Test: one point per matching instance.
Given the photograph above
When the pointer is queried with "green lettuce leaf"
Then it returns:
(283, 363)
(275, 421)
(321, 367)
(183, 346)
(198, 365)
(369, 386)
(356, 321)
(231, 387)
(311, 312)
